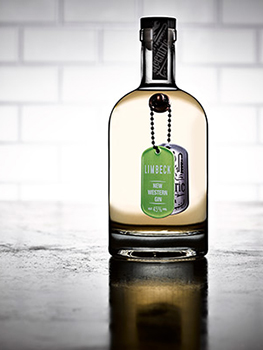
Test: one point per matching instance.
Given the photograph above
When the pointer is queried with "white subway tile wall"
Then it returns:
(187, 11)
(100, 11)
(65, 63)
(8, 44)
(116, 49)
(25, 11)
(28, 84)
(60, 45)
(28, 163)
(242, 11)
(242, 85)
(8, 124)
(217, 46)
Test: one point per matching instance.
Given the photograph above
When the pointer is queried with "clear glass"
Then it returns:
(133, 234)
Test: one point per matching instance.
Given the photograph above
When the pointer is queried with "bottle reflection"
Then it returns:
(158, 306)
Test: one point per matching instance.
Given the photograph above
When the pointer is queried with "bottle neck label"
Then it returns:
(160, 51)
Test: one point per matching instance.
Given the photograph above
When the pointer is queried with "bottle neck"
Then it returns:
(158, 58)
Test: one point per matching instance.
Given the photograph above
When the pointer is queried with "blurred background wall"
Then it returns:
(64, 64)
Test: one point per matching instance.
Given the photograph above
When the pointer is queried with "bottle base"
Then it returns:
(157, 255)
(152, 244)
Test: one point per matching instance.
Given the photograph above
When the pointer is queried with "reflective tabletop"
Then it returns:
(60, 289)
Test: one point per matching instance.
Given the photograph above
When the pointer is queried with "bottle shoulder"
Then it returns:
(141, 97)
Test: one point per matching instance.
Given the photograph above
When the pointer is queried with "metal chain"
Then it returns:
(168, 129)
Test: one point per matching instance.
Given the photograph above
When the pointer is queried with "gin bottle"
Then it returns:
(158, 160)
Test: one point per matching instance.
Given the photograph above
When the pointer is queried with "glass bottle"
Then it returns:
(158, 117)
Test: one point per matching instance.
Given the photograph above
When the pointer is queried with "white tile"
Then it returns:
(59, 124)
(99, 84)
(242, 11)
(8, 123)
(199, 82)
(232, 125)
(240, 165)
(121, 46)
(99, 11)
(28, 163)
(85, 164)
(8, 192)
(218, 46)
(24, 84)
(186, 11)
(27, 10)
(48, 44)
(85, 169)
(8, 44)
(242, 85)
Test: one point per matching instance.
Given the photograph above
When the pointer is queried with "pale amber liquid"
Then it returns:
(130, 135)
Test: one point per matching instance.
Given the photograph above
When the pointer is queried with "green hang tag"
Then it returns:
(157, 182)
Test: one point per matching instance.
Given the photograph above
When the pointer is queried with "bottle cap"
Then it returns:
(151, 25)
(149, 22)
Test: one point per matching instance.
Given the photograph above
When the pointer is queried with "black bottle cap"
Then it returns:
(148, 22)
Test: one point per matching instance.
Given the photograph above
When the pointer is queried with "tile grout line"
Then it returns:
(258, 48)
(258, 122)
(60, 74)
(218, 12)
(20, 45)
(19, 126)
(139, 9)
(60, 12)
(100, 44)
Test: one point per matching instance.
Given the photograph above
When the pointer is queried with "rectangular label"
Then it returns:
(157, 182)
(160, 51)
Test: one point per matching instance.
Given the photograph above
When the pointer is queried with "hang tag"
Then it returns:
(157, 182)
(181, 187)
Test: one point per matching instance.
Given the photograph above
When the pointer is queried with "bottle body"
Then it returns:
(134, 234)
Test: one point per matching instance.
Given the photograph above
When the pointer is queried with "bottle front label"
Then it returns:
(157, 182)
(164, 181)
(160, 51)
